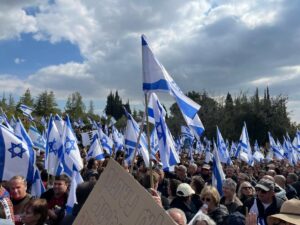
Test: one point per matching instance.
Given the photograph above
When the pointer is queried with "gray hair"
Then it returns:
(229, 183)
(179, 211)
(203, 217)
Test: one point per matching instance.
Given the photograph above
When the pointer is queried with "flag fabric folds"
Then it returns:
(106, 142)
(168, 154)
(37, 139)
(218, 175)
(95, 150)
(222, 149)
(16, 157)
(37, 187)
(26, 110)
(72, 200)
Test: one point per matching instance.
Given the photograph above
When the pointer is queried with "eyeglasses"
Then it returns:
(246, 187)
(206, 199)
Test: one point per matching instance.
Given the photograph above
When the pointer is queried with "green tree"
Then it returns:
(91, 108)
(75, 106)
(114, 106)
(45, 104)
(26, 99)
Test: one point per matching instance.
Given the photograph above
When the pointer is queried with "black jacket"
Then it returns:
(218, 214)
(188, 208)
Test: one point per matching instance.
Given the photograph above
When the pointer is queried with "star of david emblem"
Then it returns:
(16, 150)
(160, 131)
(41, 140)
(69, 145)
(52, 147)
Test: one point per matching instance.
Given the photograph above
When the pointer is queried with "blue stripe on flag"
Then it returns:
(2, 154)
(162, 84)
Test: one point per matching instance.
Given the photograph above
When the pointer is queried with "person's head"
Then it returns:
(160, 172)
(243, 177)
(229, 171)
(265, 190)
(210, 196)
(93, 177)
(271, 173)
(291, 178)
(197, 184)
(61, 184)
(203, 219)
(146, 182)
(192, 169)
(229, 188)
(184, 191)
(92, 164)
(177, 215)
(172, 187)
(246, 189)
(205, 170)
(280, 180)
(289, 214)
(17, 187)
(35, 212)
(82, 191)
(181, 172)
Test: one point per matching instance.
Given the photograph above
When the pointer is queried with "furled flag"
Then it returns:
(95, 150)
(217, 174)
(222, 149)
(72, 200)
(37, 187)
(208, 154)
(106, 142)
(168, 154)
(53, 149)
(156, 78)
(71, 154)
(26, 110)
(37, 139)
(131, 138)
(257, 156)
(278, 154)
(154, 144)
(244, 151)
(16, 156)
(118, 139)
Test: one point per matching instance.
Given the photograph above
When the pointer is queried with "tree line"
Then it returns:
(261, 114)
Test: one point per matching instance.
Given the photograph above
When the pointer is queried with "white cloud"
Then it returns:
(19, 60)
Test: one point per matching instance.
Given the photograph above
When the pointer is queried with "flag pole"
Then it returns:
(148, 139)
(138, 142)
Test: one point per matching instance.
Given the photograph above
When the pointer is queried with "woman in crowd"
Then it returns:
(211, 197)
(36, 212)
(229, 199)
(203, 219)
(246, 190)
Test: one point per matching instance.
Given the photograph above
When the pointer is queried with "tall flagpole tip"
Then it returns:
(144, 42)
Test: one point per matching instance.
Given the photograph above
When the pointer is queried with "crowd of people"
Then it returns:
(265, 194)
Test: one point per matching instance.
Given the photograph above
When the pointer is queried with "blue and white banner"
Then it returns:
(95, 150)
(26, 110)
(37, 139)
(222, 149)
(72, 199)
(218, 175)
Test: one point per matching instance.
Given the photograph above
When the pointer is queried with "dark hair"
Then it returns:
(198, 183)
(63, 177)
(146, 179)
(91, 163)
(38, 206)
(173, 184)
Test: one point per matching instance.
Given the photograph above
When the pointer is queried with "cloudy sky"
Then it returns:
(93, 46)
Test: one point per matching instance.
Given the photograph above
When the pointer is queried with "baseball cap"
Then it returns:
(206, 166)
(266, 185)
(184, 190)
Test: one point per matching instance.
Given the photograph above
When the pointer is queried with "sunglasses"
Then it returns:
(246, 187)
(206, 199)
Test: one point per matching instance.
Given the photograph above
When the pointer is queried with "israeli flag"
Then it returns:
(72, 199)
(233, 149)
(95, 150)
(118, 139)
(26, 110)
(59, 123)
(257, 156)
(4, 120)
(44, 122)
(37, 188)
(154, 144)
(54, 150)
(168, 154)
(71, 153)
(244, 151)
(131, 138)
(287, 145)
(37, 139)
(156, 78)
(22, 134)
(276, 151)
(222, 149)
(16, 157)
(208, 154)
(106, 142)
(12, 122)
(218, 175)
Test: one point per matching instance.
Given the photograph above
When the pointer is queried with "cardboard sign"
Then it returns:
(118, 199)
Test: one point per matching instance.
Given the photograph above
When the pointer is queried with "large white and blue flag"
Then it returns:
(277, 152)
(16, 157)
(156, 78)
(37, 139)
(95, 150)
(72, 199)
(106, 142)
(218, 175)
(244, 151)
(118, 139)
(167, 149)
(54, 149)
(21, 132)
(59, 123)
(257, 155)
(222, 149)
(71, 154)
(26, 110)
(131, 138)
(37, 187)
